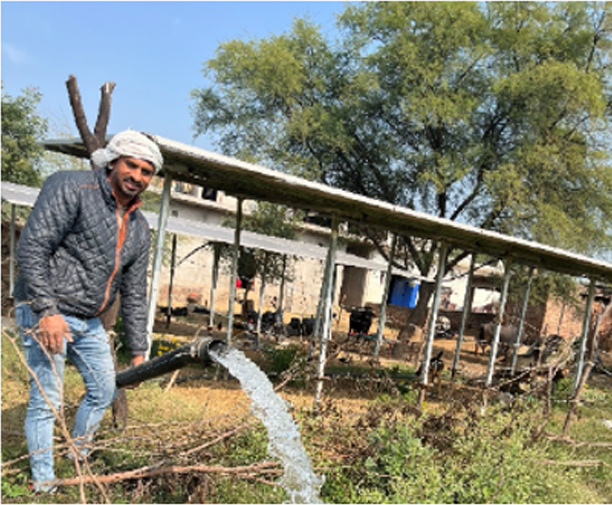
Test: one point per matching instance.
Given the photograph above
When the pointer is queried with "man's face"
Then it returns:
(129, 177)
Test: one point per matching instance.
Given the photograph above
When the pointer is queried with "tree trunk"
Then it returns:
(120, 406)
(591, 346)
(94, 141)
(418, 316)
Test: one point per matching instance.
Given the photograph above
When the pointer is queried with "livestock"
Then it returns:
(507, 337)
(544, 347)
(443, 328)
(360, 320)
(434, 372)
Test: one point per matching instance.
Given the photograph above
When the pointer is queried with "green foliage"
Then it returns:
(267, 219)
(279, 359)
(485, 459)
(14, 490)
(22, 127)
(494, 114)
(564, 388)
(383, 452)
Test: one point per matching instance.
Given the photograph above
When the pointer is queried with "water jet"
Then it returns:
(299, 481)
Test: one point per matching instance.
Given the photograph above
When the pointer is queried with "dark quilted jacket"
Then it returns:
(72, 259)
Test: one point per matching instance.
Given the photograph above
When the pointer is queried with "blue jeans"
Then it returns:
(91, 353)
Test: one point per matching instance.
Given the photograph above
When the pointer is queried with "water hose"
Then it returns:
(197, 351)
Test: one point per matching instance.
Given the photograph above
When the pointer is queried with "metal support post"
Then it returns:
(234, 275)
(519, 332)
(164, 211)
(383, 303)
(467, 310)
(498, 326)
(327, 309)
(431, 329)
(12, 252)
(586, 323)
(319, 316)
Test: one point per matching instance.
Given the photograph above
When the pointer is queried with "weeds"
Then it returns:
(198, 443)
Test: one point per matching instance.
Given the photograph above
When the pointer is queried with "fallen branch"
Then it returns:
(574, 443)
(578, 463)
(221, 437)
(267, 467)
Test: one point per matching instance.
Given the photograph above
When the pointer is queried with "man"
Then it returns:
(84, 241)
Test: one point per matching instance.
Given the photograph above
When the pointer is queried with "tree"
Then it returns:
(268, 219)
(22, 127)
(492, 114)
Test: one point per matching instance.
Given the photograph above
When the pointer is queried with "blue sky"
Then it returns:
(153, 51)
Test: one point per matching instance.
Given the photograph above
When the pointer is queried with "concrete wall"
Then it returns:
(194, 275)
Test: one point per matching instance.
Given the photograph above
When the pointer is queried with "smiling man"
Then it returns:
(84, 241)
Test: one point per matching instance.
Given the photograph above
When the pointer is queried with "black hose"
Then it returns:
(193, 352)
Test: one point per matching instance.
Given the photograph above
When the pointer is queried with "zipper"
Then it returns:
(119, 246)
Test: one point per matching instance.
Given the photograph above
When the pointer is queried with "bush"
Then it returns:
(279, 359)
(450, 459)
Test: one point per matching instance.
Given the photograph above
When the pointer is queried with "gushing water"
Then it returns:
(299, 481)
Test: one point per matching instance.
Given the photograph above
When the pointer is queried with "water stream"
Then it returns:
(299, 481)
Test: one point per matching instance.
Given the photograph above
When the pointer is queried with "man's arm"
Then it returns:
(134, 303)
(51, 219)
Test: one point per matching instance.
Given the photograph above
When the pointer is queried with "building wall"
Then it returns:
(194, 276)
(562, 320)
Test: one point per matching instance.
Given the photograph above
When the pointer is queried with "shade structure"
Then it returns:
(247, 180)
(26, 196)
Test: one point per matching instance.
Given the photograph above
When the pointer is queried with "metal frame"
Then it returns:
(382, 317)
(467, 310)
(499, 323)
(433, 316)
(327, 309)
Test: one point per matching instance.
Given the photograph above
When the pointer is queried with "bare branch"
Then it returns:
(103, 112)
(148, 471)
(91, 144)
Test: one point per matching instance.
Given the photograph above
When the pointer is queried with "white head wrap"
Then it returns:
(128, 143)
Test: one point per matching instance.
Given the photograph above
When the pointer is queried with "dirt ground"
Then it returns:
(222, 402)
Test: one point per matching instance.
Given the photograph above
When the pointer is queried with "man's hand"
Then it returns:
(137, 360)
(51, 332)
